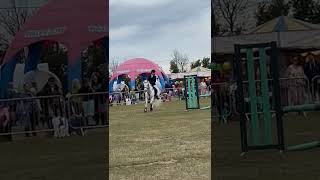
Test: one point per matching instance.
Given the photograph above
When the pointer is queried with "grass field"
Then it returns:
(168, 143)
(43, 158)
(268, 164)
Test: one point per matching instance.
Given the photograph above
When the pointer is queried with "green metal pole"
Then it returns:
(265, 97)
(304, 146)
(253, 98)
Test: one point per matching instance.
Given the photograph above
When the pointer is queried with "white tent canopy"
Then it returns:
(206, 73)
(288, 40)
(199, 69)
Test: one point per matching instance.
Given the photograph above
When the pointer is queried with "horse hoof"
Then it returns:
(145, 110)
(151, 109)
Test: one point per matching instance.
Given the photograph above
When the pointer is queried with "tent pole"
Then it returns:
(279, 39)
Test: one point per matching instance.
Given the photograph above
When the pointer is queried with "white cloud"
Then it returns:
(123, 32)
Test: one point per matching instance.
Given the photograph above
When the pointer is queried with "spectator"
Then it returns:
(50, 105)
(296, 83)
(103, 105)
(75, 86)
(116, 90)
(75, 108)
(36, 108)
(95, 82)
(52, 88)
(203, 87)
(12, 93)
(87, 100)
(96, 87)
(208, 82)
(5, 121)
(311, 69)
(25, 110)
(124, 90)
(221, 94)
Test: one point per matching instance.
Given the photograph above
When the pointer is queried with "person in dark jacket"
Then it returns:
(311, 69)
(152, 80)
(87, 100)
(51, 106)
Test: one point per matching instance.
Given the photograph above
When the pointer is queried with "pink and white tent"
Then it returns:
(135, 67)
(74, 23)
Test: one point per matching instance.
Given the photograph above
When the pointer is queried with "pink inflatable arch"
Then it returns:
(135, 67)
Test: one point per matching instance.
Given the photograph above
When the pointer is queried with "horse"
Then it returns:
(149, 92)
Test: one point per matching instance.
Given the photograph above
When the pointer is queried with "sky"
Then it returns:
(153, 29)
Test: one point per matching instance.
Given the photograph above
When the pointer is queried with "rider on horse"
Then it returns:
(153, 81)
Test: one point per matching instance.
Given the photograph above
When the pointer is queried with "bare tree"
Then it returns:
(11, 21)
(113, 65)
(215, 26)
(181, 60)
(230, 11)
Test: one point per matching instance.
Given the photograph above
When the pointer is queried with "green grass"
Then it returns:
(168, 143)
(43, 158)
(268, 164)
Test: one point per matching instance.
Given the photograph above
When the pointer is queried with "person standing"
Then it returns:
(203, 87)
(220, 97)
(5, 122)
(102, 103)
(96, 86)
(75, 101)
(296, 83)
(139, 89)
(311, 69)
(26, 109)
(50, 105)
(87, 100)
(36, 108)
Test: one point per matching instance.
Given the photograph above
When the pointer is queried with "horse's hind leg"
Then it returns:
(151, 104)
(152, 101)
(151, 107)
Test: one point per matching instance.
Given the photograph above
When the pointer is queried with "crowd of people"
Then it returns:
(299, 84)
(35, 108)
(303, 74)
(89, 99)
(174, 88)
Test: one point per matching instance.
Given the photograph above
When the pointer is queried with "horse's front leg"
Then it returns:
(146, 101)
